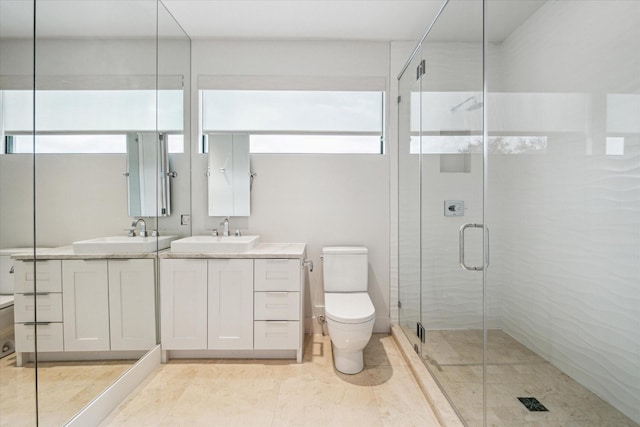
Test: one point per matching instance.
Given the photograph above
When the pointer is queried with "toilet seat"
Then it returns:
(353, 307)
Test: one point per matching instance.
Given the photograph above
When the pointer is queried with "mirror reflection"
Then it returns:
(148, 175)
(101, 81)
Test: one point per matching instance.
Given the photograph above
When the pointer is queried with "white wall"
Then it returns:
(320, 200)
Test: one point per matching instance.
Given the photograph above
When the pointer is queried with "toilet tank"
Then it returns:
(345, 269)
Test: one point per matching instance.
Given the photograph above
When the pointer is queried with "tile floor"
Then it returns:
(280, 393)
(63, 388)
(455, 359)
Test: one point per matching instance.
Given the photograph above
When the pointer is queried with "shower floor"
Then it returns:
(454, 357)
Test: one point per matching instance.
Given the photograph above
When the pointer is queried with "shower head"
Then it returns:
(474, 106)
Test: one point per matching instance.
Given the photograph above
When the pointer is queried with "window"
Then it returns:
(79, 143)
(291, 121)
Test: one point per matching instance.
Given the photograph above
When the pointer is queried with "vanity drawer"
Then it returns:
(48, 306)
(50, 337)
(277, 275)
(276, 306)
(271, 335)
(48, 276)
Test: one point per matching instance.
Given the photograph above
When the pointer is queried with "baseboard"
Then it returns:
(100, 407)
(438, 401)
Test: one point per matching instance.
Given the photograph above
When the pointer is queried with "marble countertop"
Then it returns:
(262, 250)
(66, 252)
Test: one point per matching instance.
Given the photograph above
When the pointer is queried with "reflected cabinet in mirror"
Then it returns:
(229, 174)
(147, 155)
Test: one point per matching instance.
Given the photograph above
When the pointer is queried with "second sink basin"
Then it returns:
(122, 244)
(215, 244)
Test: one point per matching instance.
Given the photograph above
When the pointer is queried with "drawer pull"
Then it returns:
(36, 323)
(276, 306)
(277, 275)
(277, 293)
(30, 294)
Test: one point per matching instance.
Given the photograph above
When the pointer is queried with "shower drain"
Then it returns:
(532, 404)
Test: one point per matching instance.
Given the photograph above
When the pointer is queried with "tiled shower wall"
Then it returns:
(566, 222)
(565, 219)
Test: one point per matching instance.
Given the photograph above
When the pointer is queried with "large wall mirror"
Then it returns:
(104, 72)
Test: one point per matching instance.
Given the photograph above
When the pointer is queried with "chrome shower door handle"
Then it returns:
(461, 240)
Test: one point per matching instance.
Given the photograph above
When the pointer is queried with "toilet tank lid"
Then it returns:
(344, 250)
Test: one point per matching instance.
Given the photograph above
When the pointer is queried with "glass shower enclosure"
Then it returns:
(519, 210)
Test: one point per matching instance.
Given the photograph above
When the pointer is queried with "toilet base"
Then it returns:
(348, 362)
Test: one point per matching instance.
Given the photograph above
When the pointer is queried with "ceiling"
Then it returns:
(379, 20)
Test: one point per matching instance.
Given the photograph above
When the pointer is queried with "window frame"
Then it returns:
(344, 86)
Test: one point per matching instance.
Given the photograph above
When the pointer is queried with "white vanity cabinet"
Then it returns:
(278, 304)
(183, 304)
(108, 304)
(132, 309)
(206, 304)
(85, 305)
(230, 304)
(232, 307)
(42, 305)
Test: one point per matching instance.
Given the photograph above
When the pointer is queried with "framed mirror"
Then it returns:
(147, 155)
(229, 174)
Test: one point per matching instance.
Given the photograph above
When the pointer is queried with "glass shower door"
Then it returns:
(441, 173)
(452, 207)
(409, 170)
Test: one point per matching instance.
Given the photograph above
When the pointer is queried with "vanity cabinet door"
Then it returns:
(85, 305)
(230, 304)
(183, 304)
(132, 304)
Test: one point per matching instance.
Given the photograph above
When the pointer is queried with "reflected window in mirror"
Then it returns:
(66, 143)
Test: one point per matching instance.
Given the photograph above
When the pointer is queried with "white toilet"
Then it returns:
(349, 311)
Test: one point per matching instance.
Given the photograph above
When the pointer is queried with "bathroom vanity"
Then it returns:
(246, 304)
(85, 305)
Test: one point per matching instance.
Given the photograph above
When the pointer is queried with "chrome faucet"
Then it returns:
(225, 223)
(143, 227)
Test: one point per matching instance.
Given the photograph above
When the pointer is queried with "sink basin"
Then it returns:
(122, 244)
(215, 244)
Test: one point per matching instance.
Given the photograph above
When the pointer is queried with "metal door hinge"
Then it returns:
(421, 70)
(420, 332)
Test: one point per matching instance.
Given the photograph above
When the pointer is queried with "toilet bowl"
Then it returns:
(350, 318)
(349, 312)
